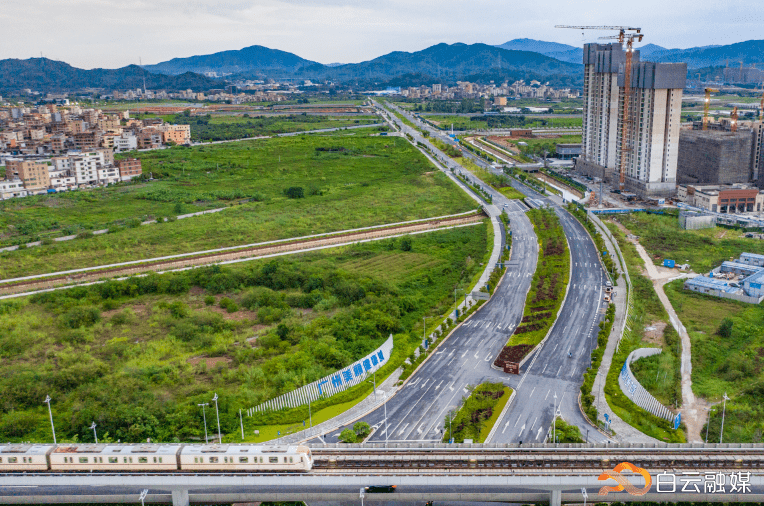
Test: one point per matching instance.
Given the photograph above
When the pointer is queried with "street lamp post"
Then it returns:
(50, 412)
(220, 438)
(204, 414)
(724, 411)
(241, 421)
(386, 431)
(95, 435)
(554, 420)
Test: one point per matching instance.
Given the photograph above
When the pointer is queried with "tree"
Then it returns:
(361, 430)
(347, 436)
(406, 244)
(725, 328)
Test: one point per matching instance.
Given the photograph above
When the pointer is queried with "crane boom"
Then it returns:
(626, 34)
(706, 103)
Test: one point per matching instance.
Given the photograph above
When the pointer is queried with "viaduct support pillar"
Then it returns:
(180, 498)
(555, 497)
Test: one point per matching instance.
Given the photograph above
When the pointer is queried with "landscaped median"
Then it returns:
(546, 293)
(477, 416)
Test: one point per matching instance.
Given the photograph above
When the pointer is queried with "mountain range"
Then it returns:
(560, 64)
(750, 51)
(44, 75)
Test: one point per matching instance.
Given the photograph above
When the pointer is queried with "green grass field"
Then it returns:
(702, 249)
(733, 364)
(647, 311)
(349, 181)
(480, 122)
(137, 356)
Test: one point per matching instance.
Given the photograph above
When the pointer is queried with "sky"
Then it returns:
(115, 33)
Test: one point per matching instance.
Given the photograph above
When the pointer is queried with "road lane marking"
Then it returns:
(531, 394)
(465, 352)
(403, 429)
(534, 423)
(518, 421)
(547, 394)
(488, 357)
(425, 383)
(505, 427)
(441, 382)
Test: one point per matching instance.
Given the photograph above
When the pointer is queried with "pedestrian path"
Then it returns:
(623, 431)
(384, 391)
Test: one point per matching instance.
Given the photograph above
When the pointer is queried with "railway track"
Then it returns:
(89, 275)
(536, 460)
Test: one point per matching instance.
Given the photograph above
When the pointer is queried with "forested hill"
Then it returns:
(44, 75)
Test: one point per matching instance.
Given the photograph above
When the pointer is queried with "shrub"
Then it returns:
(295, 192)
(209, 300)
(178, 309)
(406, 244)
(347, 436)
(80, 317)
(725, 328)
(361, 430)
(229, 305)
(109, 304)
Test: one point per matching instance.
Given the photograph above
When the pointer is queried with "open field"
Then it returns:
(721, 362)
(137, 356)
(227, 127)
(702, 249)
(481, 122)
(380, 180)
(649, 328)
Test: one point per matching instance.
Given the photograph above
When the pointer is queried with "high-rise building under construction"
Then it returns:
(652, 129)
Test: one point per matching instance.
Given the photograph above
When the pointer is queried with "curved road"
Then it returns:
(551, 370)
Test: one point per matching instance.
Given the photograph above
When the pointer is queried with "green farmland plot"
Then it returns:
(346, 181)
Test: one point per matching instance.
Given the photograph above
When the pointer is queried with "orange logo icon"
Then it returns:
(623, 482)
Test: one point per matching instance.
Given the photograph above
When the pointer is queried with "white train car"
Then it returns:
(24, 457)
(244, 457)
(111, 457)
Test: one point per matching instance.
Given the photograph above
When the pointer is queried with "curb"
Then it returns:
(559, 311)
(501, 415)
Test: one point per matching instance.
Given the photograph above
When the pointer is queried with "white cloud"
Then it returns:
(111, 33)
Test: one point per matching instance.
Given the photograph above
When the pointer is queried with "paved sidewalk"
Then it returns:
(385, 390)
(624, 432)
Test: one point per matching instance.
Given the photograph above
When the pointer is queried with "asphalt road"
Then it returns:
(551, 378)
(417, 412)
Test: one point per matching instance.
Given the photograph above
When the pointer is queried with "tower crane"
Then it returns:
(627, 35)
(706, 103)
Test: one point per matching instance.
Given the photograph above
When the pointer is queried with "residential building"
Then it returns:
(715, 157)
(32, 173)
(651, 145)
(652, 142)
(177, 134)
(85, 167)
(10, 188)
(129, 168)
(87, 140)
(149, 138)
(109, 175)
(125, 142)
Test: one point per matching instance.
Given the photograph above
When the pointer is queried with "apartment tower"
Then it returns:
(652, 127)
(652, 143)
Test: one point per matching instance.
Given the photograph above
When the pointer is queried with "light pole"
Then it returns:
(95, 436)
(241, 421)
(50, 412)
(554, 420)
(203, 405)
(143, 496)
(220, 438)
(385, 419)
(724, 410)
(310, 414)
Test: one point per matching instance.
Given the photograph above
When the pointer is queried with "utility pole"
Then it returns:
(206, 439)
(220, 438)
(95, 436)
(50, 412)
(724, 411)
(241, 421)
(554, 420)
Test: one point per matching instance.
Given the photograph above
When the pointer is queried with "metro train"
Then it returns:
(154, 457)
